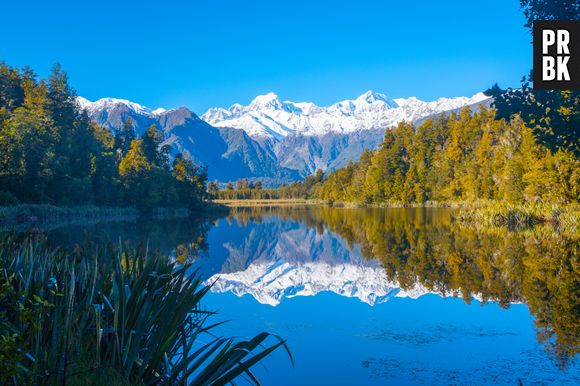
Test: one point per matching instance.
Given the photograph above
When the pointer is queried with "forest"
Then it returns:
(465, 157)
(51, 153)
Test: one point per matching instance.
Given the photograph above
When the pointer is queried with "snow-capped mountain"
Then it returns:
(273, 140)
(268, 116)
(108, 104)
(229, 153)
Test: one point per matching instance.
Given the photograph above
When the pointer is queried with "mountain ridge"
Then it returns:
(268, 116)
(274, 140)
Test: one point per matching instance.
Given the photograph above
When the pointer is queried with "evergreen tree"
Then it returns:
(50, 152)
(155, 153)
(190, 181)
(553, 115)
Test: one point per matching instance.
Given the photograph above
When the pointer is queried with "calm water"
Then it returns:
(382, 296)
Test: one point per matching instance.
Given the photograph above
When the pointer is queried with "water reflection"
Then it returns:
(274, 253)
(183, 239)
(373, 255)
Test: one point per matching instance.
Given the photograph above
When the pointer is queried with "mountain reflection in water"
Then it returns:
(347, 278)
(273, 253)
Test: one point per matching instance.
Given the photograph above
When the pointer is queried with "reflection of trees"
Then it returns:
(539, 268)
(184, 239)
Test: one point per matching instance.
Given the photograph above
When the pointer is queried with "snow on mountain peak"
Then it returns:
(479, 97)
(107, 104)
(269, 100)
(268, 117)
(159, 111)
(371, 97)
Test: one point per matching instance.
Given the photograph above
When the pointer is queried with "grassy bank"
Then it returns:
(395, 204)
(97, 315)
(520, 216)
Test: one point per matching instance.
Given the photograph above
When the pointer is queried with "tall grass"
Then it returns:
(565, 218)
(98, 315)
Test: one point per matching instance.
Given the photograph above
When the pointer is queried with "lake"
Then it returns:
(380, 296)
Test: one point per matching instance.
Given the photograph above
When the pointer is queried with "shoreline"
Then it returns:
(269, 202)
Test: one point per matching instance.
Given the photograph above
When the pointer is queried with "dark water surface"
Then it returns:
(381, 296)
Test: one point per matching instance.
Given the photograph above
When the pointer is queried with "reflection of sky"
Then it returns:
(430, 340)
(341, 340)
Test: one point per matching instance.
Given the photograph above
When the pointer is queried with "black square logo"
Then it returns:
(557, 55)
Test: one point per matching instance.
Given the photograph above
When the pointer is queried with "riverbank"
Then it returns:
(335, 204)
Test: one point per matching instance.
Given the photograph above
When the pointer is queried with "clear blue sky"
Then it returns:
(217, 52)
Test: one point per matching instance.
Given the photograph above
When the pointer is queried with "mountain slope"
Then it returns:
(305, 137)
(229, 153)
(273, 140)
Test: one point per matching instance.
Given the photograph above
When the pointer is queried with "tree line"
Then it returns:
(52, 153)
(465, 157)
(525, 149)
(248, 190)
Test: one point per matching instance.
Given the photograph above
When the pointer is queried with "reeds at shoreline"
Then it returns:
(110, 314)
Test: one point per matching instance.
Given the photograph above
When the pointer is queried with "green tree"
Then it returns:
(549, 10)
(553, 115)
(190, 181)
(51, 152)
(213, 189)
(153, 148)
(124, 137)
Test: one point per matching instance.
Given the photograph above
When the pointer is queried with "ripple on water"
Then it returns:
(529, 368)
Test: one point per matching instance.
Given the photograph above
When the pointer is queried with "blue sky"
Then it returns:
(217, 52)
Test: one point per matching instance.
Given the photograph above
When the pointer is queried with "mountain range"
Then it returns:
(274, 140)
